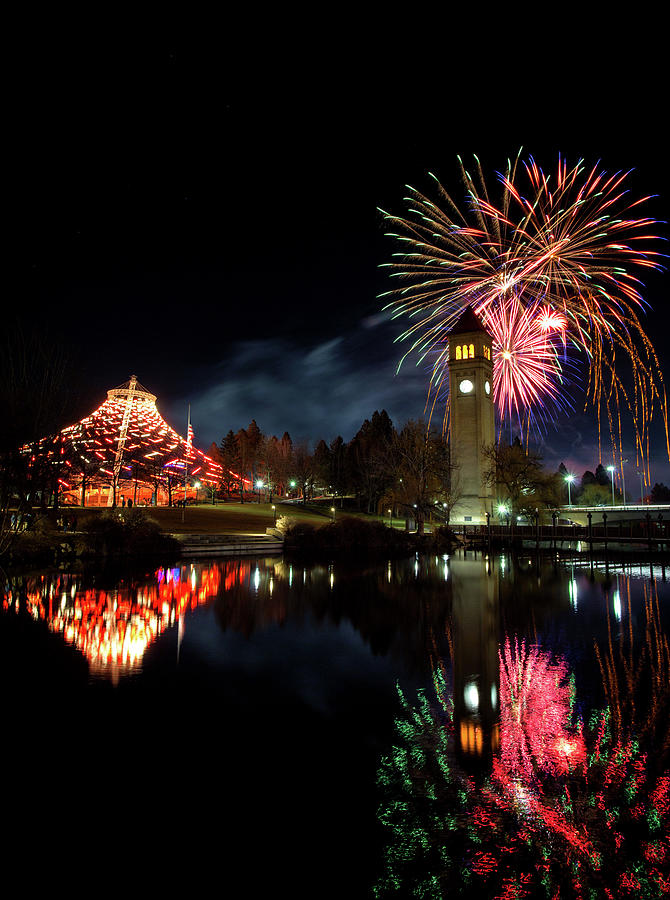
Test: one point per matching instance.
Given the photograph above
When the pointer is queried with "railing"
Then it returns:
(648, 533)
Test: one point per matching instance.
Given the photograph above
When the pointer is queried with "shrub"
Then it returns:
(300, 537)
(349, 536)
(126, 531)
(285, 524)
(444, 539)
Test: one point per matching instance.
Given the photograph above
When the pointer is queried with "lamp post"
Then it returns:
(259, 485)
(569, 479)
(623, 479)
(641, 474)
(612, 470)
(332, 513)
(274, 514)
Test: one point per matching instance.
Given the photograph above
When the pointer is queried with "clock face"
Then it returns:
(466, 386)
(487, 387)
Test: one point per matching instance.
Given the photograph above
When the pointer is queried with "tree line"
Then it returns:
(382, 469)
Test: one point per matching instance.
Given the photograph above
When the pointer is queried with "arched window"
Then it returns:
(458, 352)
(465, 351)
(472, 351)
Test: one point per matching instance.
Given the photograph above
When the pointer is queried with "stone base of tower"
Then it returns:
(471, 510)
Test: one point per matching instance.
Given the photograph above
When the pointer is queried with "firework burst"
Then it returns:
(528, 372)
(551, 266)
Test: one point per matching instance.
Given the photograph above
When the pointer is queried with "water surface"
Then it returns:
(435, 726)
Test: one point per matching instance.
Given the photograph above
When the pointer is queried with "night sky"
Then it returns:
(205, 215)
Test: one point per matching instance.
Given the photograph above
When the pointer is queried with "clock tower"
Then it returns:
(472, 417)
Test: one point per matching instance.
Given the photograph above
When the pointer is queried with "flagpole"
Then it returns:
(188, 434)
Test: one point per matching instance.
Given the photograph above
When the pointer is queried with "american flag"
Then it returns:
(189, 436)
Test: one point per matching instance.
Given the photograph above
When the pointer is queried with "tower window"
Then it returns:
(458, 352)
(472, 351)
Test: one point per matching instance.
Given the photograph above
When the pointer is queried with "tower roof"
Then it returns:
(468, 322)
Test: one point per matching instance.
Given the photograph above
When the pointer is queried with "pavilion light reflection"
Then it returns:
(112, 629)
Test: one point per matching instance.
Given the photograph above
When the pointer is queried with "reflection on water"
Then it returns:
(531, 760)
(550, 797)
(113, 627)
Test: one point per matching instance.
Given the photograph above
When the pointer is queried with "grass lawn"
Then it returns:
(224, 518)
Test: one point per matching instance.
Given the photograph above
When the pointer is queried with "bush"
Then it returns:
(348, 536)
(285, 524)
(444, 539)
(300, 537)
(127, 531)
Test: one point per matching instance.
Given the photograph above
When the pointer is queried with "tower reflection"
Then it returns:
(476, 667)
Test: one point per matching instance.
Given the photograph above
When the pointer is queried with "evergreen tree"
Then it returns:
(322, 465)
(231, 462)
(660, 493)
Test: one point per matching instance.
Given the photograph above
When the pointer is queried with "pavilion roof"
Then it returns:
(151, 448)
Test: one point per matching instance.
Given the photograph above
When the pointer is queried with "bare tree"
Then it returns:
(517, 475)
(35, 395)
(303, 468)
(422, 476)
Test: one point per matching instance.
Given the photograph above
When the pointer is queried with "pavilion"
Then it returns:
(125, 451)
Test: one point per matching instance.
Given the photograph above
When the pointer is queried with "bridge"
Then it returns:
(615, 514)
(643, 527)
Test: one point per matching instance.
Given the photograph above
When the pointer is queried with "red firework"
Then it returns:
(528, 373)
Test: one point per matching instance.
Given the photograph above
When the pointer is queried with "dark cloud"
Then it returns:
(323, 390)
(327, 388)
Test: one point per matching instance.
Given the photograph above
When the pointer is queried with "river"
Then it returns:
(464, 725)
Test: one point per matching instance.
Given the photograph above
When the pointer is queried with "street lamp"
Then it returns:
(259, 485)
(569, 478)
(390, 518)
(641, 474)
(503, 511)
(612, 470)
(332, 512)
(274, 514)
(623, 479)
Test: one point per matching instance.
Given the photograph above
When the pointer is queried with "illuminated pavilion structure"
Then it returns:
(124, 450)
